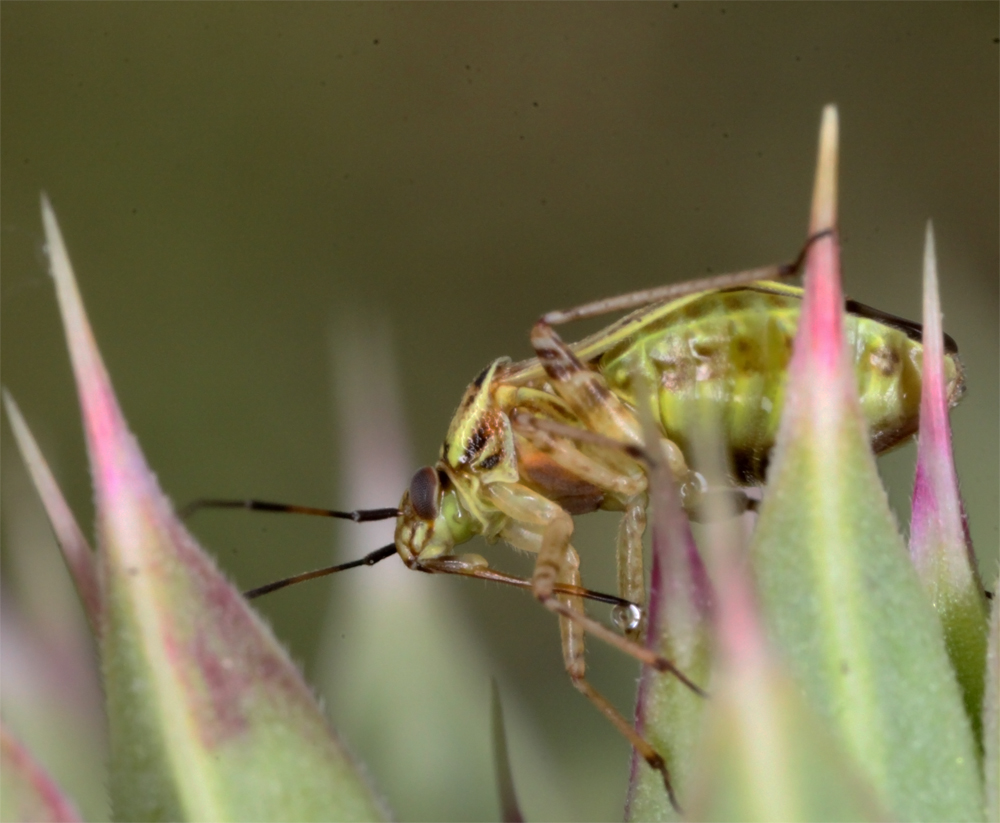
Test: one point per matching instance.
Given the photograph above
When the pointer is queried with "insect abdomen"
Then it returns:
(725, 356)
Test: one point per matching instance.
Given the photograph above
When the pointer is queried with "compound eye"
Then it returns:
(425, 488)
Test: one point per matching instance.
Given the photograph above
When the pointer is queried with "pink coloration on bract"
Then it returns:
(29, 792)
(763, 745)
(819, 344)
(839, 596)
(145, 547)
(940, 546)
(202, 700)
(938, 522)
(679, 615)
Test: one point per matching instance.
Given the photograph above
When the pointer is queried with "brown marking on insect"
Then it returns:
(488, 462)
(478, 382)
(885, 359)
(557, 371)
(476, 443)
(731, 303)
(890, 437)
(541, 472)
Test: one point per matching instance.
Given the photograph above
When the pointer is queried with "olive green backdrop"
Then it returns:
(233, 178)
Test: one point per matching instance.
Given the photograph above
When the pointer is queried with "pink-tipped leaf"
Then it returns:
(765, 753)
(939, 540)
(840, 598)
(209, 719)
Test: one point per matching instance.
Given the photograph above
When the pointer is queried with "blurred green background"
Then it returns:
(238, 182)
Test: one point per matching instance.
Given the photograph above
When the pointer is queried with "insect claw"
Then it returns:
(660, 765)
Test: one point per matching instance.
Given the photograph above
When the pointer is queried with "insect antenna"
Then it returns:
(369, 516)
(368, 560)
(358, 515)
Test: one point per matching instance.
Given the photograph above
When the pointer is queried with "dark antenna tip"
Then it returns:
(368, 560)
(358, 515)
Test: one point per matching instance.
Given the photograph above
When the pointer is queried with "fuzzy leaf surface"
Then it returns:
(209, 719)
(841, 600)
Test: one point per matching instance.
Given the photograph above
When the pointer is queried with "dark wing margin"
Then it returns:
(912, 330)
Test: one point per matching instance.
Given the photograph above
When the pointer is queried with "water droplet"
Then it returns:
(693, 487)
(627, 617)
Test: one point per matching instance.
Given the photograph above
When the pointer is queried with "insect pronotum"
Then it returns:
(535, 443)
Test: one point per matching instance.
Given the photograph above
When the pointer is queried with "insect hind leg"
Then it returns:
(673, 291)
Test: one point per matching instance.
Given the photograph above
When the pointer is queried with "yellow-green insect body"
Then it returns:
(724, 352)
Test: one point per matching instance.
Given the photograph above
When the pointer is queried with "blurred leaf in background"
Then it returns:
(404, 677)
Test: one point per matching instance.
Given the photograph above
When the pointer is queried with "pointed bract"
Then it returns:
(668, 713)
(209, 718)
(510, 808)
(80, 558)
(839, 596)
(939, 540)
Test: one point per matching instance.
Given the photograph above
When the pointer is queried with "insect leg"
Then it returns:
(631, 578)
(702, 504)
(673, 291)
(573, 658)
(614, 470)
(622, 478)
(584, 390)
(532, 513)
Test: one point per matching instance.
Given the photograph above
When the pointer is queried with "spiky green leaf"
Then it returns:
(209, 718)
(840, 597)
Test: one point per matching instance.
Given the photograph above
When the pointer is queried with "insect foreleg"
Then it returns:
(671, 452)
(576, 667)
(702, 504)
(530, 512)
(615, 471)
(474, 566)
